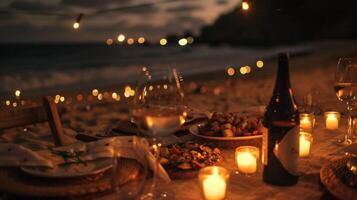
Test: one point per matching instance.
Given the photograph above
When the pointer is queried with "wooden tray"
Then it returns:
(14, 181)
(338, 180)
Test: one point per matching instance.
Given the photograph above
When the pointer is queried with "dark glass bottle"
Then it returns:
(281, 144)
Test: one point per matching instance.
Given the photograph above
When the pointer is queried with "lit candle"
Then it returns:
(213, 182)
(307, 122)
(214, 187)
(332, 119)
(305, 144)
(246, 159)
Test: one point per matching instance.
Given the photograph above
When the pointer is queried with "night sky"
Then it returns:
(152, 22)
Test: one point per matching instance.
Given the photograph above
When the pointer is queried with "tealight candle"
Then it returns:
(305, 144)
(332, 120)
(213, 181)
(247, 158)
(307, 122)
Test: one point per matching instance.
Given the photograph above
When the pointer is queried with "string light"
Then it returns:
(8, 102)
(76, 24)
(260, 64)
(245, 5)
(14, 104)
(62, 99)
(182, 42)
(121, 38)
(163, 41)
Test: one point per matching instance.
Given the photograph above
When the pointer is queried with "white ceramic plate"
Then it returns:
(194, 131)
(71, 170)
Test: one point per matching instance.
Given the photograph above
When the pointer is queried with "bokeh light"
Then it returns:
(62, 99)
(95, 92)
(141, 40)
(130, 41)
(249, 69)
(190, 40)
(17, 93)
(260, 64)
(7, 102)
(79, 97)
(114, 95)
(100, 96)
(243, 70)
(231, 71)
(163, 41)
(182, 42)
(109, 41)
(121, 38)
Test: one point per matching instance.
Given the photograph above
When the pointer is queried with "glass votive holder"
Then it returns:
(307, 122)
(247, 160)
(332, 119)
(213, 182)
(305, 143)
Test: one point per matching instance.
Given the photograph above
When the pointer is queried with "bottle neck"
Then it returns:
(282, 83)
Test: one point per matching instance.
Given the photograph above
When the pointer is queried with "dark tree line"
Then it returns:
(271, 22)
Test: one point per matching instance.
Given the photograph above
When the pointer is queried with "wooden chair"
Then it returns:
(47, 112)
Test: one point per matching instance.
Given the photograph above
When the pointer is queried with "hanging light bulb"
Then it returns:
(78, 20)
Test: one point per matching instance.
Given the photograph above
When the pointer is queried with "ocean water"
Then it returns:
(40, 68)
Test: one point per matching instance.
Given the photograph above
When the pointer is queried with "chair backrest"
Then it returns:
(47, 112)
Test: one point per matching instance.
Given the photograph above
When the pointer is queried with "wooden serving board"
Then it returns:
(338, 180)
(16, 182)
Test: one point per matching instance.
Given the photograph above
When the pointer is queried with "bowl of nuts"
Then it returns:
(232, 129)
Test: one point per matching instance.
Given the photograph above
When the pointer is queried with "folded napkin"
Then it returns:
(17, 155)
(127, 147)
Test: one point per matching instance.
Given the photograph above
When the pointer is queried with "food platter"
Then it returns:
(195, 132)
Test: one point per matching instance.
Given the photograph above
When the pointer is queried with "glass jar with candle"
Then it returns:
(305, 144)
(213, 182)
(247, 160)
(332, 120)
(307, 122)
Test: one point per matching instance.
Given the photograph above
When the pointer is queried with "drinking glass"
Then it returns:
(158, 110)
(129, 177)
(346, 90)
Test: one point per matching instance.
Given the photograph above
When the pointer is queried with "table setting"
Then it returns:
(164, 149)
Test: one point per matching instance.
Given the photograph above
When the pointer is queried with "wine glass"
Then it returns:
(346, 90)
(158, 111)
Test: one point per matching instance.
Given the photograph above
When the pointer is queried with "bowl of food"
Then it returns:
(232, 129)
(184, 160)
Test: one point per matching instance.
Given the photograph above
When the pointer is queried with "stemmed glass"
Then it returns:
(158, 110)
(346, 90)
